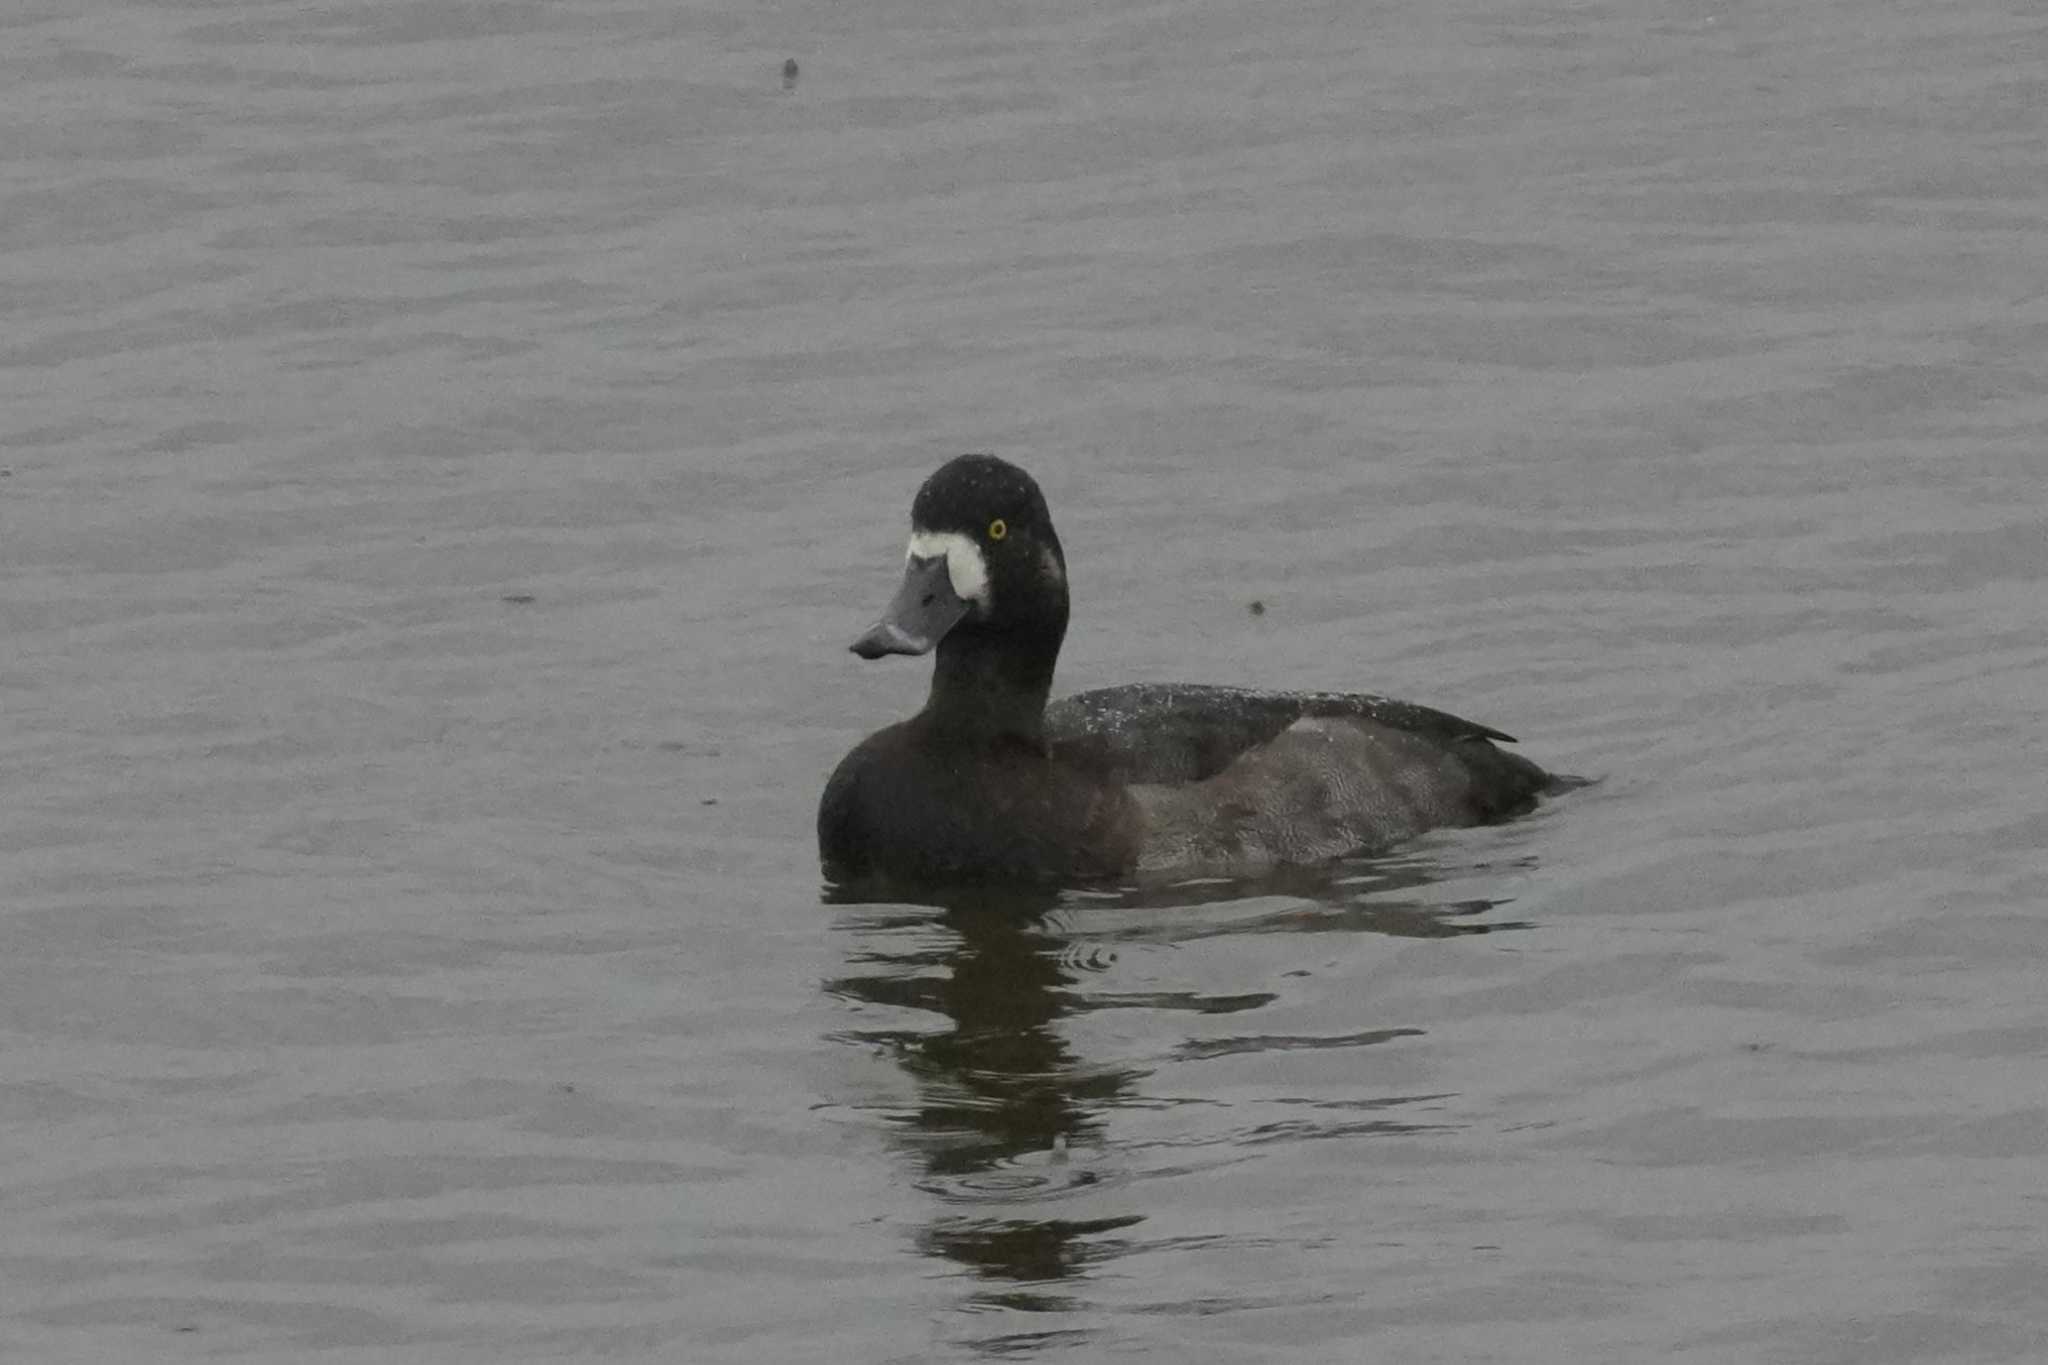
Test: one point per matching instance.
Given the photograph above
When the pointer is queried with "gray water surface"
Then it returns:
(447, 448)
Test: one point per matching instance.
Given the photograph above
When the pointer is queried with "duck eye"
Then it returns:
(998, 528)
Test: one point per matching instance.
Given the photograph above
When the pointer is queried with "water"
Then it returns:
(448, 447)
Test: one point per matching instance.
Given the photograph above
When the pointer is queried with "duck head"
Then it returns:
(983, 561)
(984, 582)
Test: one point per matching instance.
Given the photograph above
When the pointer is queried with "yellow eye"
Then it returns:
(998, 528)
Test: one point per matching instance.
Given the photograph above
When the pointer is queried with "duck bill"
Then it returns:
(924, 609)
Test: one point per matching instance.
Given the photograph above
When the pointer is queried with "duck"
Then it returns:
(992, 782)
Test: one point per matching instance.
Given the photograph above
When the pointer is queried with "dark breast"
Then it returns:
(910, 805)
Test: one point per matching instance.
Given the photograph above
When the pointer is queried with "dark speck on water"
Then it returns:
(789, 74)
(1257, 607)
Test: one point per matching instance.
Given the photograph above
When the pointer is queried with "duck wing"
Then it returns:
(1167, 733)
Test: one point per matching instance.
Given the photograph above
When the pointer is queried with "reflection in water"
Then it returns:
(1001, 1095)
(1352, 895)
(1000, 1081)
(997, 1084)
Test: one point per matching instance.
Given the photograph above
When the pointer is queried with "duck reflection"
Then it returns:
(1001, 1097)
(998, 1081)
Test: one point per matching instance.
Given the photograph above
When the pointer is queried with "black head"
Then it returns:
(971, 492)
(986, 582)
(984, 562)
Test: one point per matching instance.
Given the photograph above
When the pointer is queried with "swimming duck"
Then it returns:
(989, 783)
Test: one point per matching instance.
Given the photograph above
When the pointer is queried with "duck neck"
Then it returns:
(992, 685)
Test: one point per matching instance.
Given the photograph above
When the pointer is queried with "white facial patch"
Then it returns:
(964, 563)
